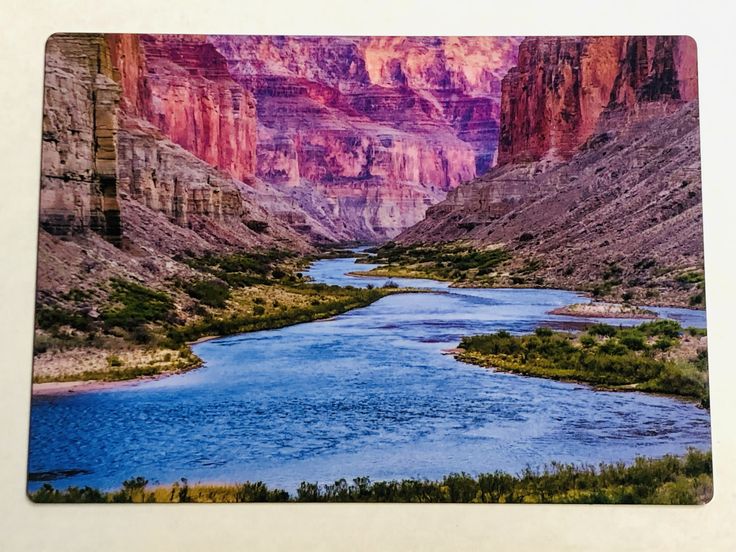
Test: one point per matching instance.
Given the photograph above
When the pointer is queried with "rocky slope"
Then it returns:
(599, 175)
(380, 128)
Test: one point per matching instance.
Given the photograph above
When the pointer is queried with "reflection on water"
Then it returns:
(365, 393)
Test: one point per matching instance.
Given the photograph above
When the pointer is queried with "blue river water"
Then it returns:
(367, 393)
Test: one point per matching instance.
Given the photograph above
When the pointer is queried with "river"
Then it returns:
(366, 393)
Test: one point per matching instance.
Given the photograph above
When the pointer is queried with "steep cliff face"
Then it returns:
(599, 165)
(78, 162)
(381, 127)
(181, 85)
(553, 100)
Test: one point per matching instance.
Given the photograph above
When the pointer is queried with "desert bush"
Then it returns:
(134, 305)
(668, 480)
(51, 318)
(213, 293)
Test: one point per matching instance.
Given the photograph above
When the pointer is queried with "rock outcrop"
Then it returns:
(381, 127)
(78, 161)
(553, 100)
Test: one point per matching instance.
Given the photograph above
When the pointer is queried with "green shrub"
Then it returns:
(632, 339)
(693, 277)
(603, 330)
(213, 293)
(666, 328)
(666, 480)
(664, 343)
(50, 318)
(134, 305)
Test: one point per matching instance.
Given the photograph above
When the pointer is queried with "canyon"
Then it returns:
(160, 145)
(599, 169)
(340, 138)
(381, 127)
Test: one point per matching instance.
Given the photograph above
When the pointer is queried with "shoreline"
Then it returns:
(459, 284)
(61, 387)
(692, 467)
(459, 355)
(56, 388)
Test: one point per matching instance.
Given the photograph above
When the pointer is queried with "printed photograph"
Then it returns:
(370, 269)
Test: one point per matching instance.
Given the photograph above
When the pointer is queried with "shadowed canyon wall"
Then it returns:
(78, 158)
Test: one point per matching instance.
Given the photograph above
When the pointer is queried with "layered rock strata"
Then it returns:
(381, 127)
(553, 100)
(78, 159)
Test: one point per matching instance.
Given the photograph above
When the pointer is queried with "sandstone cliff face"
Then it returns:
(107, 168)
(381, 127)
(78, 162)
(564, 91)
(553, 100)
(181, 85)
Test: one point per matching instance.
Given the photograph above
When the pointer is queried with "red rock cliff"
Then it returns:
(181, 84)
(553, 100)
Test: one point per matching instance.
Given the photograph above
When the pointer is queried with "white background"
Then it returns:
(24, 526)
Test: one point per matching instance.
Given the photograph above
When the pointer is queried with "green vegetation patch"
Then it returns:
(134, 305)
(627, 358)
(52, 318)
(213, 293)
(449, 262)
(243, 269)
(322, 301)
(668, 480)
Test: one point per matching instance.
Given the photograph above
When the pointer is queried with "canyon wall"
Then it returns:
(181, 85)
(131, 149)
(78, 159)
(381, 127)
(553, 100)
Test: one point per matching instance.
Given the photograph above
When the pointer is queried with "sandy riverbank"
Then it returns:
(63, 387)
(605, 310)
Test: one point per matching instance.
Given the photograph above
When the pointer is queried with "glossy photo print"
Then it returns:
(370, 269)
